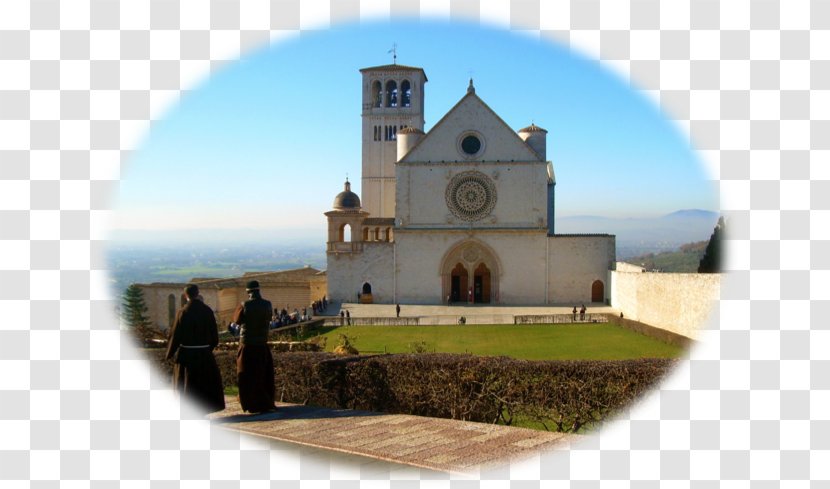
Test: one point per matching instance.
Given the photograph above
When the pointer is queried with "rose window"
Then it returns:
(471, 196)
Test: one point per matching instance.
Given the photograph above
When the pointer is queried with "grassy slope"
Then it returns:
(537, 342)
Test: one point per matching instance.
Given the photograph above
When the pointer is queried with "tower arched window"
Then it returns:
(345, 233)
(377, 94)
(391, 93)
(406, 94)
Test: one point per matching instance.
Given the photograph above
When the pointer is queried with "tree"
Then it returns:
(135, 308)
(711, 261)
(134, 312)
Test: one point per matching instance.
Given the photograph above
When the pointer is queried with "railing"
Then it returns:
(469, 320)
(373, 321)
(345, 246)
(560, 319)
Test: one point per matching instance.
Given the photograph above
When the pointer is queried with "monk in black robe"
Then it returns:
(254, 362)
(193, 337)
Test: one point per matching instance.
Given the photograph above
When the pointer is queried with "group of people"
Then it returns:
(320, 306)
(581, 313)
(345, 318)
(194, 336)
(282, 317)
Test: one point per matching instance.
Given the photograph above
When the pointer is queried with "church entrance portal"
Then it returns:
(481, 289)
(458, 286)
(469, 274)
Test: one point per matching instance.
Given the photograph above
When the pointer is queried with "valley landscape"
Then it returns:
(670, 243)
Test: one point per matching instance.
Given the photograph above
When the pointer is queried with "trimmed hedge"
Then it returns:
(562, 396)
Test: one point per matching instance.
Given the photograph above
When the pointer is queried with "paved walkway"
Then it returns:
(473, 313)
(428, 443)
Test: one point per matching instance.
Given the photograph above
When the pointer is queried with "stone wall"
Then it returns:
(347, 272)
(224, 301)
(676, 302)
(576, 262)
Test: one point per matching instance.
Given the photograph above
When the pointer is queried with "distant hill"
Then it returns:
(638, 236)
(685, 260)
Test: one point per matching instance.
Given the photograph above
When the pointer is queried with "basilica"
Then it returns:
(461, 213)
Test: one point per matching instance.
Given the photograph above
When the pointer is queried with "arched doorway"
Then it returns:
(367, 288)
(597, 291)
(481, 284)
(458, 285)
(470, 272)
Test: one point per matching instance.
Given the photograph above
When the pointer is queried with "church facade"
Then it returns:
(464, 212)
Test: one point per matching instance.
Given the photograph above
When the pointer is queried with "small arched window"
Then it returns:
(377, 94)
(391, 93)
(406, 94)
(346, 233)
(365, 234)
(367, 288)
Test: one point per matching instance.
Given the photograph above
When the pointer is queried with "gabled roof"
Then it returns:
(471, 94)
(297, 275)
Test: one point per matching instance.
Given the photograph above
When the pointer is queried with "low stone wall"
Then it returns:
(374, 321)
(654, 332)
(676, 302)
(559, 319)
(308, 325)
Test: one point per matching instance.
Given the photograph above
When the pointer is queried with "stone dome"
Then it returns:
(532, 128)
(347, 200)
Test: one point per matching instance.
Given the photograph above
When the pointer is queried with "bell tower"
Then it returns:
(393, 99)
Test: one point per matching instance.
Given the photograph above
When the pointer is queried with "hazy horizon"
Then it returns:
(317, 236)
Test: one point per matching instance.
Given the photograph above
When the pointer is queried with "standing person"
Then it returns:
(254, 362)
(348, 318)
(397, 310)
(193, 337)
(574, 312)
(582, 313)
(342, 318)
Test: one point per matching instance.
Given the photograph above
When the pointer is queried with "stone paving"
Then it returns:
(428, 443)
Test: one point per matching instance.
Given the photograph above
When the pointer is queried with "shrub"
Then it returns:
(565, 396)
(418, 347)
(561, 395)
(346, 347)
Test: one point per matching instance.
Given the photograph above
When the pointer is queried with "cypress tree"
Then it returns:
(134, 309)
(711, 261)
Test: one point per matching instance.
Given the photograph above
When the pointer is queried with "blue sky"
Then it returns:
(266, 141)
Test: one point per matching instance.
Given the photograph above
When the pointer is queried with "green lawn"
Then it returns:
(594, 341)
